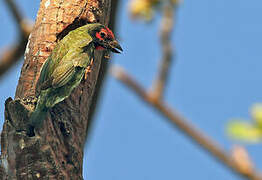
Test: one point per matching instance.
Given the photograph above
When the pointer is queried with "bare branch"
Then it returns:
(19, 18)
(182, 124)
(165, 34)
(241, 157)
(14, 53)
(11, 56)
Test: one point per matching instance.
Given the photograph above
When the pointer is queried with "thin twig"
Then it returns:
(165, 35)
(10, 56)
(19, 18)
(182, 124)
(13, 54)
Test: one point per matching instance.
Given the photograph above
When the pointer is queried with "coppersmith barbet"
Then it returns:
(65, 67)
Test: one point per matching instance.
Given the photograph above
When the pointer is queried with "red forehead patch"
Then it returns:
(107, 32)
(110, 33)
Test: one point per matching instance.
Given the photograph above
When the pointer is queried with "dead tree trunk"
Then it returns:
(56, 151)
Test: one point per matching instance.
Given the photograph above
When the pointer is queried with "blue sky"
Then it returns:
(216, 77)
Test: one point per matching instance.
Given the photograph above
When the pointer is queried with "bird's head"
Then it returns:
(104, 38)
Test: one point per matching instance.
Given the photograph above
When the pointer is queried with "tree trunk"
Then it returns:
(56, 150)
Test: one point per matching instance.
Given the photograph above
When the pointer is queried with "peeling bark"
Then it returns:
(56, 151)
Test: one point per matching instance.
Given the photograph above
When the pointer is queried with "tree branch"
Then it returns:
(20, 21)
(165, 34)
(182, 124)
(13, 54)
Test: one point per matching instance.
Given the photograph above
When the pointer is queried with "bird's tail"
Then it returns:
(37, 117)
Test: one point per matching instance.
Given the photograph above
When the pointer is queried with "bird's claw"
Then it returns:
(88, 69)
(107, 56)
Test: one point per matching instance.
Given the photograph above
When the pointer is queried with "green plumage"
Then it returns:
(63, 70)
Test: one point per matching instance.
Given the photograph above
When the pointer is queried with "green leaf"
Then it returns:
(256, 113)
(244, 131)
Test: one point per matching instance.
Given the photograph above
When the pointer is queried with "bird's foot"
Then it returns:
(88, 69)
(107, 56)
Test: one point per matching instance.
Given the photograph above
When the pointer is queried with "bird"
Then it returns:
(65, 67)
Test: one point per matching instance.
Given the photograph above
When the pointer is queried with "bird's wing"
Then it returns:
(59, 68)
(67, 66)
(43, 81)
(62, 74)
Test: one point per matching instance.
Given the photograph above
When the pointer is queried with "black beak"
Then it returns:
(115, 47)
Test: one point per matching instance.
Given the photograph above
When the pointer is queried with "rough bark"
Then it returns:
(56, 151)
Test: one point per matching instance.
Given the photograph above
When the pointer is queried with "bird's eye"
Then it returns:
(102, 34)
